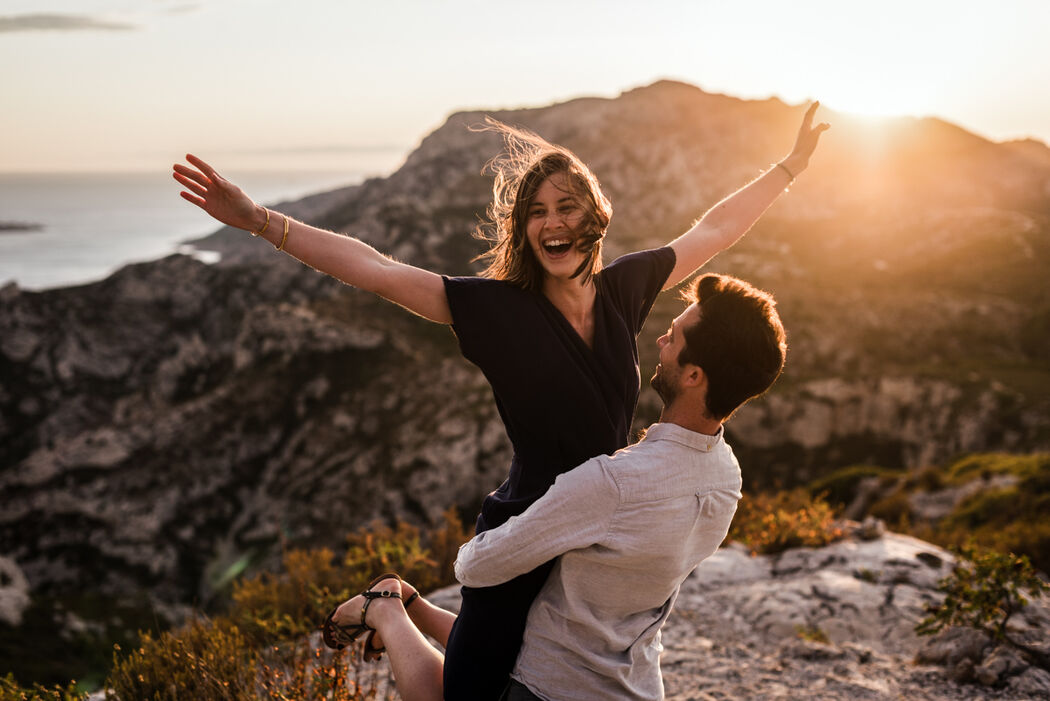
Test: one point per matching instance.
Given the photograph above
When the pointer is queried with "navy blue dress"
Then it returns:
(562, 402)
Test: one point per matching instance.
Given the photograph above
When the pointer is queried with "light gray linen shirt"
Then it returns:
(629, 528)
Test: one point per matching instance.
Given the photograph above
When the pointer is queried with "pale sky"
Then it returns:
(332, 84)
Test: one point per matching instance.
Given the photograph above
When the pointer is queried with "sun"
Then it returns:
(875, 98)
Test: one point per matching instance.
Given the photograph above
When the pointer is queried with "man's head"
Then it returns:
(727, 346)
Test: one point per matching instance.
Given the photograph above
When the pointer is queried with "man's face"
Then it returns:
(668, 373)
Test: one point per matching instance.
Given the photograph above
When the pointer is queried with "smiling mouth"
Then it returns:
(557, 247)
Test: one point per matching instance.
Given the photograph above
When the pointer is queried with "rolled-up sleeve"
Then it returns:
(574, 513)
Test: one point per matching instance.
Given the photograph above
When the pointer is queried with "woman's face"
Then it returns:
(552, 221)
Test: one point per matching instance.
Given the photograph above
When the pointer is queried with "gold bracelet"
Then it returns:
(787, 171)
(262, 230)
(284, 238)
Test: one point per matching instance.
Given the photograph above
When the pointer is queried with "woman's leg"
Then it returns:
(416, 663)
(486, 638)
(430, 619)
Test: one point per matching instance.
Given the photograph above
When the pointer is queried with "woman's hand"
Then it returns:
(218, 196)
(806, 143)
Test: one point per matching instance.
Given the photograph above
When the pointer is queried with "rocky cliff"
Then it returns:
(163, 425)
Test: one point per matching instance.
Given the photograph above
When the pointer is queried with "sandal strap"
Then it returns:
(411, 599)
(381, 594)
(370, 596)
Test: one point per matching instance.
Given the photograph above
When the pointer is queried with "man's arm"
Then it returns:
(574, 513)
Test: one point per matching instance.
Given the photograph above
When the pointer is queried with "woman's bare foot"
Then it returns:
(349, 612)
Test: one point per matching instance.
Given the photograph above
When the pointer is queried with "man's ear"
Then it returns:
(694, 376)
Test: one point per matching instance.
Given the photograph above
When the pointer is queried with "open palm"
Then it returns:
(808, 136)
(215, 194)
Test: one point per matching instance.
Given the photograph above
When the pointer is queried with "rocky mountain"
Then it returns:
(178, 422)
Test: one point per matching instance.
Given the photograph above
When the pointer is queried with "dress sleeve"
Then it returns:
(481, 309)
(633, 281)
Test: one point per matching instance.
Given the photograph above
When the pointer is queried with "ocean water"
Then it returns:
(94, 223)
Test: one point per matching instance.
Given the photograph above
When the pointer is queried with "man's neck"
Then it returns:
(689, 418)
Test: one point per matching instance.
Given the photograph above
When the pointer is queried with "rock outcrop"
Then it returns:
(833, 623)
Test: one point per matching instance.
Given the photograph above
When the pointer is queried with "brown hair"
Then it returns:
(525, 163)
(739, 341)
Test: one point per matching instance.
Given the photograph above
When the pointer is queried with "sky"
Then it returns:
(93, 85)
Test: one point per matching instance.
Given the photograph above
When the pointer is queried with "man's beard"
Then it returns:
(663, 386)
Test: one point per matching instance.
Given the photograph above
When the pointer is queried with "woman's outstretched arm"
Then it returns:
(343, 257)
(727, 221)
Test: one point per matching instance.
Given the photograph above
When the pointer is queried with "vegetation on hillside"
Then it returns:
(998, 500)
(984, 591)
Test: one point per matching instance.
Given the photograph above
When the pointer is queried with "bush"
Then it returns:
(1014, 519)
(985, 589)
(274, 608)
(840, 487)
(262, 648)
(894, 509)
(204, 660)
(980, 465)
(772, 523)
(11, 691)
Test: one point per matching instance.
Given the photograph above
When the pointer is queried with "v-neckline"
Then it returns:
(594, 316)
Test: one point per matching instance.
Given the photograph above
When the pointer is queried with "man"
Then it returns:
(627, 529)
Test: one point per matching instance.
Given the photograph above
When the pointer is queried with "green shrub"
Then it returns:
(985, 589)
(894, 509)
(840, 487)
(928, 479)
(772, 523)
(1011, 519)
(980, 465)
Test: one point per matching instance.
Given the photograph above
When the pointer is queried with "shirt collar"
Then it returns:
(691, 439)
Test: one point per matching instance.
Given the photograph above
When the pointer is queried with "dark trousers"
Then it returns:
(518, 692)
(486, 637)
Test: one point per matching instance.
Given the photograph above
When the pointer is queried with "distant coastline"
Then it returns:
(19, 226)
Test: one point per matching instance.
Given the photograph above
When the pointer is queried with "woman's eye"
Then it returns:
(536, 213)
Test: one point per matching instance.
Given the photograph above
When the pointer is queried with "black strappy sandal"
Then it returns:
(337, 636)
(371, 653)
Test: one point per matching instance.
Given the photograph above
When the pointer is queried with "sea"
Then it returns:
(87, 225)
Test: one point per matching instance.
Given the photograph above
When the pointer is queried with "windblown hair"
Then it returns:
(739, 341)
(525, 163)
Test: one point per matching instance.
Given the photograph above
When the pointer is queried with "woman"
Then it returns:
(554, 333)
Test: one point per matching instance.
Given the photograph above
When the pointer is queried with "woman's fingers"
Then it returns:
(191, 184)
(191, 173)
(204, 167)
(193, 198)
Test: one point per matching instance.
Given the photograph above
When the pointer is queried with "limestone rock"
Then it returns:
(14, 592)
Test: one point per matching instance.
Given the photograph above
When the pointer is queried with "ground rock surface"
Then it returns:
(745, 627)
